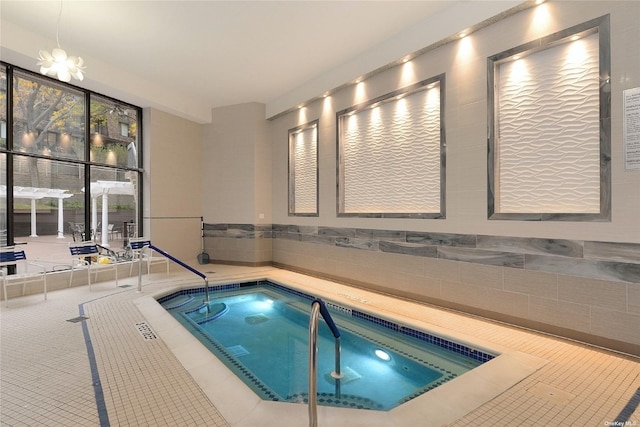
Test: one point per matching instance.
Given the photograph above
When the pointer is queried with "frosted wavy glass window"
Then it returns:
(547, 141)
(391, 157)
(303, 170)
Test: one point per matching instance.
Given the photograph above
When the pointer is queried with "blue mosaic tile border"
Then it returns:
(423, 336)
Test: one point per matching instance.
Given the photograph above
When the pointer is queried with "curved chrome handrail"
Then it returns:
(318, 307)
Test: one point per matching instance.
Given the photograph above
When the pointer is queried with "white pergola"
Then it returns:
(33, 194)
(104, 189)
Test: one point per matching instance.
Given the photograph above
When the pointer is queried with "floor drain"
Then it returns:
(125, 286)
(552, 394)
(209, 272)
(146, 331)
(77, 319)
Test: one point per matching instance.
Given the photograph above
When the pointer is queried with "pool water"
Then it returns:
(260, 331)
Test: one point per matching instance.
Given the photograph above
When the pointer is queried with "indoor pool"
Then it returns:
(260, 330)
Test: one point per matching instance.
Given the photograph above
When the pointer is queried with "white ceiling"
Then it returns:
(191, 56)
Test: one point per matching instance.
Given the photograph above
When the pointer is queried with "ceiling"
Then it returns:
(196, 55)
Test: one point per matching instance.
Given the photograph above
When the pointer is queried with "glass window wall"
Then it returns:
(68, 170)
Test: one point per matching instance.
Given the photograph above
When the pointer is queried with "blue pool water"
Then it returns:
(260, 331)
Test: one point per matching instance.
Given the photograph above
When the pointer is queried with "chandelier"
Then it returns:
(58, 64)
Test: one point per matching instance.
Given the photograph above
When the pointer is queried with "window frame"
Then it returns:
(313, 125)
(601, 26)
(394, 96)
(9, 152)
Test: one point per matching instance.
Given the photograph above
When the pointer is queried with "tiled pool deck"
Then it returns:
(46, 378)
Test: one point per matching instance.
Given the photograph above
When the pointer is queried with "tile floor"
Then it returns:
(46, 378)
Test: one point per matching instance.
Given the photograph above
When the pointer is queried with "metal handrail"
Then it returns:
(318, 307)
(180, 263)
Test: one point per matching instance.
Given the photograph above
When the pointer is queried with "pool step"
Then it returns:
(207, 312)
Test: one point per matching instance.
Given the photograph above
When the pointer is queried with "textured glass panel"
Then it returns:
(391, 156)
(549, 131)
(304, 150)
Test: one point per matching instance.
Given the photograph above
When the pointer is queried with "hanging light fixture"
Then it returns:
(58, 64)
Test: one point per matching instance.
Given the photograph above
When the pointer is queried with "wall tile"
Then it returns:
(460, 293)
(570, 248)
(616, 325)
(442, 269)
(560, 313)
(337, 232)
(442, 239)
(480, 256)
(352, 242)
(606, 270)
(421, 285)
(394, 235)
(499, 301)
(481, 275)
(597, 293)
(535, 283)
(629, 252)
(408, 249)
(633, 298)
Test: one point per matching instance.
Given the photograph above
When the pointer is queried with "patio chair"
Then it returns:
(113, 232)
(142, 252)
(77, 231)
(9, 255)
(87, 256)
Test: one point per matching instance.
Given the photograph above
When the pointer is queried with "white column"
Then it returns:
(94, 217)
(60, 219)
(33, 218)
(105, 220)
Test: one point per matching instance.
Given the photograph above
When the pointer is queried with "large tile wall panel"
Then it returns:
(304, 171)
(422, 286)
(591, 292)
(626, 252)
(615, 325)
(391, 156)
(633, 296)
(550, 100)
(534, 283)
(564, 314)
(481, 275)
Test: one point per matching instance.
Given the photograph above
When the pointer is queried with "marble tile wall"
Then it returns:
(579, 289)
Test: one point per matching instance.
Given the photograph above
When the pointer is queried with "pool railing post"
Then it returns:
(313, 365)
(318, 307)
(336, 375)
(140, 256)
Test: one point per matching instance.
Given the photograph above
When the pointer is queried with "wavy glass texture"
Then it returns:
(305, 166)
(549, 134)
(391, 156)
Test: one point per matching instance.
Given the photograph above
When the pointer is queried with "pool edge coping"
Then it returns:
(242, 407)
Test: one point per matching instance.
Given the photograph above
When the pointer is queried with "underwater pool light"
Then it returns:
(382, 355)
